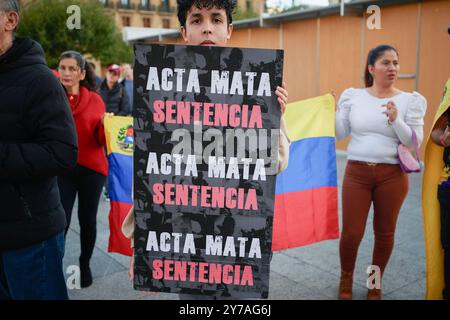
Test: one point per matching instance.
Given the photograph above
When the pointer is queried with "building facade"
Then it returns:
(159, 13)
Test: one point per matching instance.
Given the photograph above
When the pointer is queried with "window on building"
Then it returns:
(126, 21)
(248, 5)
(147, 22)
(165, 6)
(166, 23)
(125, 3)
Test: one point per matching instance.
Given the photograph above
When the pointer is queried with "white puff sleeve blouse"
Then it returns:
(373, 138)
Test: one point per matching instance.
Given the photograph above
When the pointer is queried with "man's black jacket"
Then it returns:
(37, 142)
(116, 99)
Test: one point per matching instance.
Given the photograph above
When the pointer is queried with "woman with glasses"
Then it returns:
(87, 179)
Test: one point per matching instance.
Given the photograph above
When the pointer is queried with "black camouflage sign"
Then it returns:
(206, 123)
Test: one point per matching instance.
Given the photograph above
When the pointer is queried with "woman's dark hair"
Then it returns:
(89, 80)
(185, 5)
(372, 57)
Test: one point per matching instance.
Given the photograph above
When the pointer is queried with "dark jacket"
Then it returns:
(116, 99)
(37, 142)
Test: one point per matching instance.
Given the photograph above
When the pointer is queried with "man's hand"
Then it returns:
(282, 95)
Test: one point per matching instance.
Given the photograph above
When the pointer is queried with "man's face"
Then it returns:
(207, 27)
(3, 30)
(112, 77)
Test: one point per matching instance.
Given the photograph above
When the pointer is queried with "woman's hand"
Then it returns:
(391, 111)
(335, 101)
(282, 95)
(107, 114)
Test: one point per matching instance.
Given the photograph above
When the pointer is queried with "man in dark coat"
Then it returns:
(113, 93)
(37, 143)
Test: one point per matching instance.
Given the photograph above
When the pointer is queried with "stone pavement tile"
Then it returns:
(102, 240)
(282, 288)
(80, 294)
(323, 255)
(412, 291)
(411, 210)
(116, 286)
(292, 268)
(102, 263)
(102, 245)
(408, 228)
(328, 284)
(413, 244)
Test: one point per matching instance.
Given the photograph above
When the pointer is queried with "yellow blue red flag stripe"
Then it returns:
(119, 143)
(306, 209)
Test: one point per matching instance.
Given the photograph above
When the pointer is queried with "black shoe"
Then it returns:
(86, 276)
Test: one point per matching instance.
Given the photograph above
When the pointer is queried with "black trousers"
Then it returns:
(444, 201)
(87, 184)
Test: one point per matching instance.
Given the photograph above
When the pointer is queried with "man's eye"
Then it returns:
(217, 20)
(195, 21)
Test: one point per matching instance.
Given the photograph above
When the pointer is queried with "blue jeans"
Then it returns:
(35, 272)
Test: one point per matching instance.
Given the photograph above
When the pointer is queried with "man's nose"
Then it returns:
(207, 29)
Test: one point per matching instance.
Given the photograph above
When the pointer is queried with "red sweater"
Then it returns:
(91, 133)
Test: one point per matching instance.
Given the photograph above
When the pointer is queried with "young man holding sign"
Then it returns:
(209, 23)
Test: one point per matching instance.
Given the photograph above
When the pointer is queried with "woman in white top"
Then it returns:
(378, 118)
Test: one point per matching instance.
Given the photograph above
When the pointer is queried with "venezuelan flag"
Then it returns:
(306, 209)
(119, 142)
(431, 210)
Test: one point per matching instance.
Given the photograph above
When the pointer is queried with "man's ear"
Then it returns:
(12, 21)
(230, 31)
(183, 33)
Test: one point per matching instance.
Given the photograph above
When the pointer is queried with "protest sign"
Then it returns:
(206, 123)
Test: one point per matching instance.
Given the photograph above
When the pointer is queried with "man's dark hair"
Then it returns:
(185, 5)
(9, 5)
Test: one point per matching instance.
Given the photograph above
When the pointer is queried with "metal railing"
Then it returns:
(126, 6)
(108, 4)
(166, 8)
(146, 7)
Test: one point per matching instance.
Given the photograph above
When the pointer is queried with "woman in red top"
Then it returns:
(88, 177)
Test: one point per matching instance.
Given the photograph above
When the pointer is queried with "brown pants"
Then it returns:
(385, 185)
